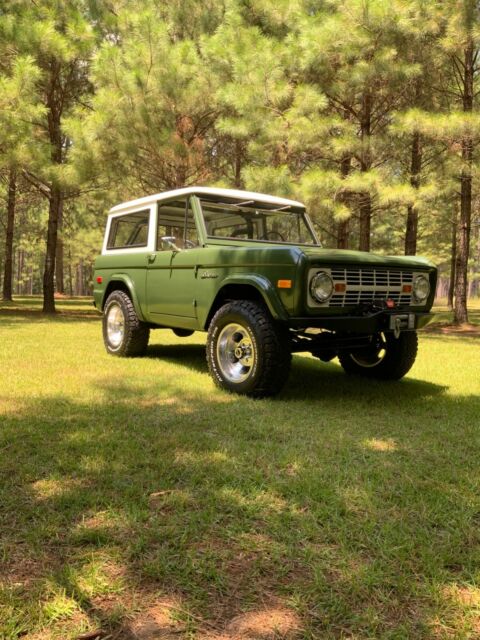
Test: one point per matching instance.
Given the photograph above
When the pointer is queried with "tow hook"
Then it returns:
(398, 323)
(397, 327)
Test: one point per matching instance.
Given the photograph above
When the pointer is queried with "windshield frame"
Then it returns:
(250, 206)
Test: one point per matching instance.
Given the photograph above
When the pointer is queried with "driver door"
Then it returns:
(171, 269)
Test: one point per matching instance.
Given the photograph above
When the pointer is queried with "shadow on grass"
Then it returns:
(191, 356)
(310, 378)
(353, 501)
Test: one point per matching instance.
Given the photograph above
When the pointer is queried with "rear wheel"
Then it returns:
(246, 351)
(124, 334)
(386, 358)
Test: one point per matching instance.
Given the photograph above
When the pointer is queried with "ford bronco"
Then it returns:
(248, 269)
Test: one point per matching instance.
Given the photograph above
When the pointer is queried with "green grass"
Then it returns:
(134, 492)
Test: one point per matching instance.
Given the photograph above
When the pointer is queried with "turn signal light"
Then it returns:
(340, 287)
(407, 288)
(284, 284)
(99, 279)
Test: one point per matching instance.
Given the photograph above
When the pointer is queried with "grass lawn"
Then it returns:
(139, 500)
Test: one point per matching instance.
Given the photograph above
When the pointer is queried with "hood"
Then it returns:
(345, 256)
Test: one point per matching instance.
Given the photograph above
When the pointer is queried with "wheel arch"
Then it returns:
(122, 282)
(255, 288)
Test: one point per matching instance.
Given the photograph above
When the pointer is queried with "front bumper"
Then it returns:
(369, 322)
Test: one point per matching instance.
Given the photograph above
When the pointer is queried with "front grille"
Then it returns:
(363, 285)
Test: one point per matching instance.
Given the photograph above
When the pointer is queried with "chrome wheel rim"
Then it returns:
(371, 357)
(115, 325)
(235, 353)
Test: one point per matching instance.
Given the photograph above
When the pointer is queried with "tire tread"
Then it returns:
(275, 367)
(399, 359)
(137, 333)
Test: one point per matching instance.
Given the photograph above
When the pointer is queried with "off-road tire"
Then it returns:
(136, 332)
(400, 354)
(271, 343)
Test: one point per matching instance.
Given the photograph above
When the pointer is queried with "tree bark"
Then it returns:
(411, 232)
(79, 284)
(451, 284)
(55, 105)
(343, 226)
(238, 164)
(54, 208)
(365, 221)
(464, 226)
(59, 268)
(365, 165)
(20, 261)
(70, 277)
(8, 266)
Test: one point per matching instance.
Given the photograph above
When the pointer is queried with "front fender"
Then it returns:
(266, 289)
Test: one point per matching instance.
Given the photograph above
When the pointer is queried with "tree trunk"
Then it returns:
(20, 261)
(59, 270)
(79, 287)
(365, 165)
(411, 232)
(55, 204)
(343, 234)
(343, 226)
(70, 277)
(8, 266)
(54, 104)
(453, 257)
(365, 221)
(238, 164)
(463, 239)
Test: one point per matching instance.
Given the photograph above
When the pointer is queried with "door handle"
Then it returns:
(151, 257)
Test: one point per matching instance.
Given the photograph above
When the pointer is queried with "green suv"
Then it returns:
(248, 269)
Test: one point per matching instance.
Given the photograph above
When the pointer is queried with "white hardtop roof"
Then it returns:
(226, 193)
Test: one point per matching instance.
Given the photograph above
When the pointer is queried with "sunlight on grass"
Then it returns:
(59, 606)
(380, 445)
(346, 506)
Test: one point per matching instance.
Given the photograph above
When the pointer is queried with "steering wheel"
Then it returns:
(276, 236)
(239, 232)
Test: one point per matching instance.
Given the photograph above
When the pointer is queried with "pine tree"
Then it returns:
(466, 25)
(58, 37)
(153, 109)
(17, 108)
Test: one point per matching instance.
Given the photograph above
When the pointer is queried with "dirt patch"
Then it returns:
(20, 569)
(465, 595)
(275, 623)
(466, 329)
(155, 623)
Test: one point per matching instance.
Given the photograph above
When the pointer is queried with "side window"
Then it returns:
(176, 226)
(130, 230)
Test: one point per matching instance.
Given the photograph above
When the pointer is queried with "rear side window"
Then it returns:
(130, 230)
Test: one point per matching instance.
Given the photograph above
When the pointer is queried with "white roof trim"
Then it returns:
(227, 193)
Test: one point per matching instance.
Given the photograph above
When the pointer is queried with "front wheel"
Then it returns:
(386, 358)
(247, 352)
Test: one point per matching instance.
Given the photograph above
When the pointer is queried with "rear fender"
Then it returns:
(128, 286)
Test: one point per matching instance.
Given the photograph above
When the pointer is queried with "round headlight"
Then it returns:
(421, 288)
(321, 286)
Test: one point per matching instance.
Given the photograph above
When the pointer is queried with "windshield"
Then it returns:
(254, 221)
